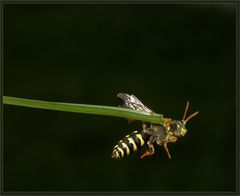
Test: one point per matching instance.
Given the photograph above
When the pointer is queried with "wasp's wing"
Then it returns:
(132, 102)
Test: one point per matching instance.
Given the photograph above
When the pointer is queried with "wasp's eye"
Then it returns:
(175, 126)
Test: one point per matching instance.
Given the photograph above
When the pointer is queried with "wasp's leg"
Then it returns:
(172, 139)
(167, 122)
(130, 121)
(148, 152)
(166, 148)
(144, 127)
(167, 119)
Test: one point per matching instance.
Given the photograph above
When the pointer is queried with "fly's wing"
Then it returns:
(132, 102)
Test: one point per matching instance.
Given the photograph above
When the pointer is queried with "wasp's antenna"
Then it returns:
(186, 109)
(192, 115)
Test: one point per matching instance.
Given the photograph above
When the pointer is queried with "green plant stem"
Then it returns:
(84, 108)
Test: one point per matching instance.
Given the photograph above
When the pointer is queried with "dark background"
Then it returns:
(163, 54)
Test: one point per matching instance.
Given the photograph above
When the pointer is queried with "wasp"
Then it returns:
(160, 134)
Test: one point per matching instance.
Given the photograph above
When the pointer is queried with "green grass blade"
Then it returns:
(84, 108)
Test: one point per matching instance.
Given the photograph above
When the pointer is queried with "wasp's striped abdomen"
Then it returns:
(129, 144)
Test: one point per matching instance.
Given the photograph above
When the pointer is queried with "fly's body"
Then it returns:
(160, 134)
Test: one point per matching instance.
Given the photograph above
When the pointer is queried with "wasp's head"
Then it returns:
(178, 128)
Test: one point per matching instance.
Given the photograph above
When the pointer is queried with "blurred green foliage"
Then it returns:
(163, 54)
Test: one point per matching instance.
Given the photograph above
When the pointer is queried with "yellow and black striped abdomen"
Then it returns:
(129, 144)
